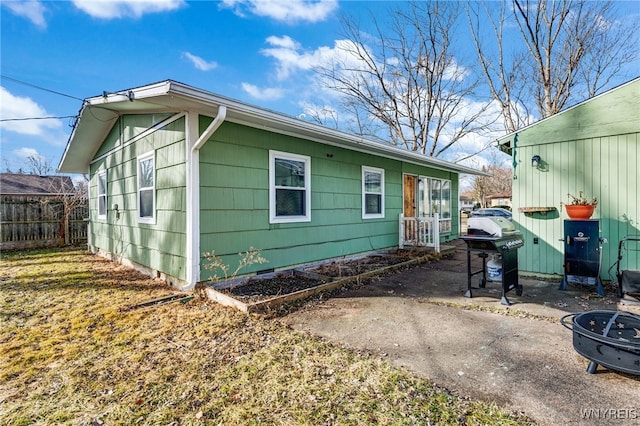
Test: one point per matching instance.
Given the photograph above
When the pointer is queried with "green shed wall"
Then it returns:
(234, 176)
(595, 148)
(160, 246)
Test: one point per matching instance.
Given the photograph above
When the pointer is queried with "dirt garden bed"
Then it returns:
(260, 294)
(359, 266)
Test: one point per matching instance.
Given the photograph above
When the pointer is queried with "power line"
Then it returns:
(15, 80)
(36, 118)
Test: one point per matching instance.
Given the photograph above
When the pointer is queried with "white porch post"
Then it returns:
(401, 231)
(436, 232)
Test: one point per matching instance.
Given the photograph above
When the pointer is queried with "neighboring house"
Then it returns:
(20, 184)
(499, 200)
(592, 147)
(33, 212)
(466, 203)
(176, 171)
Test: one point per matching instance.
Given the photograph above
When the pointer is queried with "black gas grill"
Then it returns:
(507, 246)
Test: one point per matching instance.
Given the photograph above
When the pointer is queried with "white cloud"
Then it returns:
(288, 11)
(200, 63)
(265, 94)
(290, 56)
(320, 104)
(455, 72)
(325, 114)
(12, 106)
(25, 153)
(32, 10)
(111, 9)
(284, 42)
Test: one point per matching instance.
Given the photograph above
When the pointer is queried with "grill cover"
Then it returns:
(490, 226)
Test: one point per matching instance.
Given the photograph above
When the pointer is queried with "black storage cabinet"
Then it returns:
(582, 253)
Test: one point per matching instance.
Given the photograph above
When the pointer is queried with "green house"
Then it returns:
(592, 147)
(176, 172)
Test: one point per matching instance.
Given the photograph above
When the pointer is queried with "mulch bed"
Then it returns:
(260, 289)
(357, 266)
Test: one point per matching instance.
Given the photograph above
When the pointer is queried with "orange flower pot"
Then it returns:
(580, 212)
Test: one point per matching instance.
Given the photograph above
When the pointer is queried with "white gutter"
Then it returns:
(194, 142)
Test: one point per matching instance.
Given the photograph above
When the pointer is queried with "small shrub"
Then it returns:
(250, 257)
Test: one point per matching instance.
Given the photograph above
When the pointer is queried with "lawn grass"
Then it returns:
(70, 354)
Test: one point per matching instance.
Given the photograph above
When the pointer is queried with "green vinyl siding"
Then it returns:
(234, 198)
(160, 246)
(602, 162)
(234, 191)
(128, 127)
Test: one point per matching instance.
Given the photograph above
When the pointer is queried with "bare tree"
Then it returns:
(572, 50)
(6, 166)
(501, 74)
(39, 165)
(75, 198)
(499, 183)
(404, 84)
(67, 198)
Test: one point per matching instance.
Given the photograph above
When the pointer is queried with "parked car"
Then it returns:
(491, 211)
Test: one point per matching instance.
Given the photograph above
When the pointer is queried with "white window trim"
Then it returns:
(100, 174)
(425, 206)
(366, 215)
(272, 187)
(141, 158)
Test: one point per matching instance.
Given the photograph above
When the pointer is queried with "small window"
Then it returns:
(102, 194)
(372, 193)
(289, 187)
(146, 189)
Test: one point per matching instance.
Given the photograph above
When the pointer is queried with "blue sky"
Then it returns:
(259, 52)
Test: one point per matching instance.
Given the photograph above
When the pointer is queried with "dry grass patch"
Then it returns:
(71, 355)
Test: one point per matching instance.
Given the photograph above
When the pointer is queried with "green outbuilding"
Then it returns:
(176, 172)
(593, 148)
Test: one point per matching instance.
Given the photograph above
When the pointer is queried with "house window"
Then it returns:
(146, 189)
(434, 197)
(102, 194)
(372, 193)
(289, 187)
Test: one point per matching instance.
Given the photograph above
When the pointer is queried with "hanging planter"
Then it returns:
(580, 208)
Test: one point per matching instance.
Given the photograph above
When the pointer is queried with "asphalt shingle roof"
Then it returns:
(23, 184)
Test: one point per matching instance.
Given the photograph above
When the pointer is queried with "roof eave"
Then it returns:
(98, 114)
(249, 115)
(504, 142)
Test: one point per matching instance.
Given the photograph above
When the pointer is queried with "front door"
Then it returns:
(409, 210)
(409, 186)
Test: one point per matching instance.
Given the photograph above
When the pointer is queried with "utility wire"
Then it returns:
(36, 118)
(15, 80)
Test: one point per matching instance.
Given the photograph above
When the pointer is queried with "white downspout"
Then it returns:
(194, 143)
(220, 117)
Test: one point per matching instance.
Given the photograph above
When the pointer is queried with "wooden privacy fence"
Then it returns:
(40, 221)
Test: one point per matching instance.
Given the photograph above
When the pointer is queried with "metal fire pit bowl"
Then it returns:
(607, 338)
